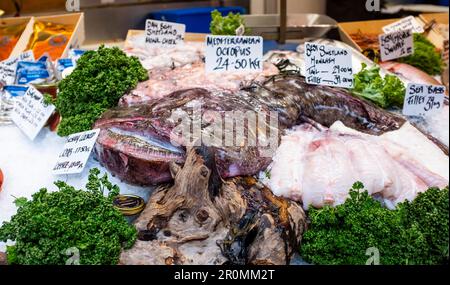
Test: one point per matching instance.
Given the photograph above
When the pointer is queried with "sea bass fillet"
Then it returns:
(136, 143)
(318, 166)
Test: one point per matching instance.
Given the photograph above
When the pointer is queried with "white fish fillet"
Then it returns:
(408, 141)
(319, 167)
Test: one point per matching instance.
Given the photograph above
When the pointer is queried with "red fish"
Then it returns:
(409, 72)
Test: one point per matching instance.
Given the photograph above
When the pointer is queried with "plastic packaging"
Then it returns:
(63, 64)
(75, 54)
(31, 72)
(7, 96)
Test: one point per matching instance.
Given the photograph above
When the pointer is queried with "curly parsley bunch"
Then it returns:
(415, 232)
(97, 83)
(62, 226)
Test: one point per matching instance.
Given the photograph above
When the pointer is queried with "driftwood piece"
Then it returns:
(202, 219)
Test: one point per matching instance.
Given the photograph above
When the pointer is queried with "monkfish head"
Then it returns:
(135, 147)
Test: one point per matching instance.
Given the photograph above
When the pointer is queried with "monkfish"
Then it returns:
(136, 143)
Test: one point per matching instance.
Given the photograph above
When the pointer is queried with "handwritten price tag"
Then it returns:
(8, 67)
(164, 34)
(328, 65)
(7, 74)
(76, 152)
(423, 100)
(407, 23)
(396, 45)
(31, 113)
(233, 53)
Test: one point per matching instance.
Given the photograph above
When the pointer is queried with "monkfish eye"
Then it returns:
(204, 171)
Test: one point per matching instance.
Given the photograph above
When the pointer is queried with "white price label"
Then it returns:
(233, 53)
(328, 65)
(8, 67)
(407, 23)
(396, 45)
(76, 152)
(164, 34)
(27, 56)
(422, 100)
(31, 113)
(7, 74)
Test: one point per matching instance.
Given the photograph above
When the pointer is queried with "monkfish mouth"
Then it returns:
(140, 145)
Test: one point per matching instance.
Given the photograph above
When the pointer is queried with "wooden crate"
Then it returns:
(76, 39)
(376, 27)
(441, 18)
(22, 40)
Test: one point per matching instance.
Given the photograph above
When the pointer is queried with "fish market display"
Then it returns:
(204, 220)
(237, 166)
(317, 166)
(51, 38)
(135, 142)
(9, 35)
(192, 76)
